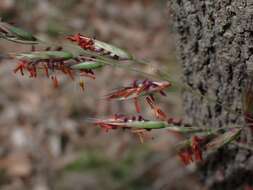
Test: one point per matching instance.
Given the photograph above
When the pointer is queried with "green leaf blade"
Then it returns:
(88, 65)
(146, 124)
(45, 55)
(120, 53)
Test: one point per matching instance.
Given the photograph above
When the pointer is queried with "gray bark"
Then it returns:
(215, 48)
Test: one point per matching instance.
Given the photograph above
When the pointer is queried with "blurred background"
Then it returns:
(46, 143)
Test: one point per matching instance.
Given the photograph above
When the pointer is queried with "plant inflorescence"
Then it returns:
(87, 55)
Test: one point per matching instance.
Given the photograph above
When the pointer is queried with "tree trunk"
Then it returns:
(215, 48)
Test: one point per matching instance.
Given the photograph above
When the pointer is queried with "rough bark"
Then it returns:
(215, 45)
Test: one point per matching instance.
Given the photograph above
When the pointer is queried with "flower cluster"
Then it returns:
(191, 152)
(62, 60)
(208, 140)
(83, 42)
(95, 54)
(99, 47)
(140, 88)
(128, 122)
(137, 124)
(51, 61)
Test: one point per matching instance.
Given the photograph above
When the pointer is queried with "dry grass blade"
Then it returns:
(223, 139)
